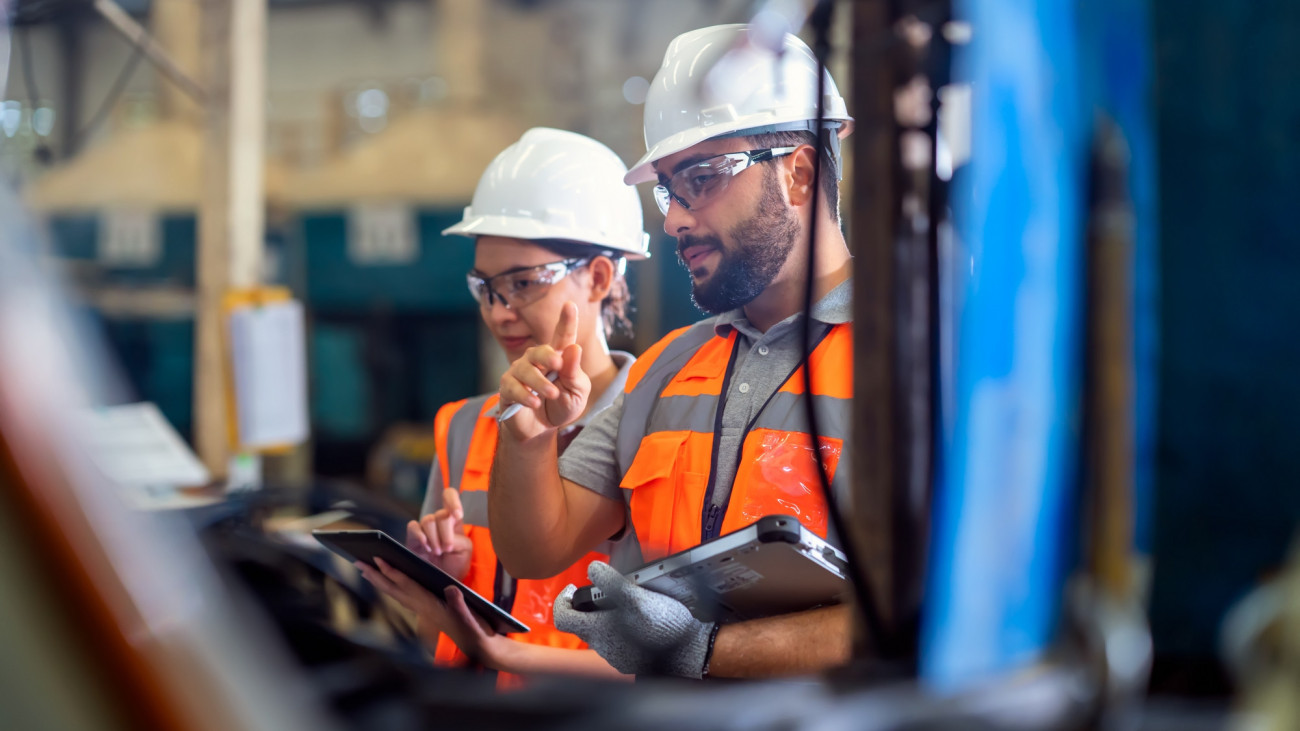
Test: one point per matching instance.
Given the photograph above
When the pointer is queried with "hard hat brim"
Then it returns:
(517, 228)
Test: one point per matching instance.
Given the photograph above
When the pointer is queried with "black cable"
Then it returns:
(42, 152)
(819, 19)
(119, 86)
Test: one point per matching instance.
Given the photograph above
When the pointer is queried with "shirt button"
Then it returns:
(744, 388)
(762, 350)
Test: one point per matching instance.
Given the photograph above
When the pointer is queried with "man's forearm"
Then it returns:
(790, 644)
(522, 658)
(526, 505)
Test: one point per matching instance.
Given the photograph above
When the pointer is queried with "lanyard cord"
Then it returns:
(711, 515)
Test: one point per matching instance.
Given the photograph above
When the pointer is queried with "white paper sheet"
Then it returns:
(135, 446)
(268, 347)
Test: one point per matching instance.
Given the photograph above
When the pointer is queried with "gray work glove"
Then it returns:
(646, 633)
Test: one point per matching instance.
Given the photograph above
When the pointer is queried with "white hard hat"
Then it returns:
(714, 83)
(553, 184)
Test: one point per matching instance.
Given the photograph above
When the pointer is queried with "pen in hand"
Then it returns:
(513, 409)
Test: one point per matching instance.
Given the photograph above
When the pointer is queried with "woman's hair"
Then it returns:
(617, 304)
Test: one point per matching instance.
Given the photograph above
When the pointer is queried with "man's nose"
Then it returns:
(678, 220)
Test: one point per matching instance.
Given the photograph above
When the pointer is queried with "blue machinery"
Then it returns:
(1006, 513)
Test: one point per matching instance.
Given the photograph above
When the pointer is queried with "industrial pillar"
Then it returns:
(231, 208)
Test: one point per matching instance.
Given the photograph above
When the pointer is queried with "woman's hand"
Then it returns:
(439, 537)
(547, 406)
(470, 633)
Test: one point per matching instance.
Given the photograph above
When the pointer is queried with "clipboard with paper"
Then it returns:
(268, 369)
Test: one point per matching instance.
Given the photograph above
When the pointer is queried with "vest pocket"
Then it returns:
(778, 475)
(665, 494)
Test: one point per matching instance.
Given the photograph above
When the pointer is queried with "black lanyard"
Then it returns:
(711, 516)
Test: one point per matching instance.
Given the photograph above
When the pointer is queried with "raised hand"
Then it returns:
(548, 405)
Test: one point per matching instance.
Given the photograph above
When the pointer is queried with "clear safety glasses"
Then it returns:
(519, 287)
(697, 184)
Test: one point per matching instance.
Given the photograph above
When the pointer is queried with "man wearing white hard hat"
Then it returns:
(709, 434)
(553, 227)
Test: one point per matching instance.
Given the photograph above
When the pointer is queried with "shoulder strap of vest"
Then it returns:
(460, 433)
(648, 358)
(640, 396)
(441, 426)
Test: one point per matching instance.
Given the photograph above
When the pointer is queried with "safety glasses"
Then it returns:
(516, 288)
(697, 184)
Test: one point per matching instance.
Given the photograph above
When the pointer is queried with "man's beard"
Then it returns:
(763, 243)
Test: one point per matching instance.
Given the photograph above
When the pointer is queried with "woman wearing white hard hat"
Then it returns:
(553, 227)
(710, 435)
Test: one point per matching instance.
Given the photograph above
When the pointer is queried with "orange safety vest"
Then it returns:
(670, 423)
(465, 434)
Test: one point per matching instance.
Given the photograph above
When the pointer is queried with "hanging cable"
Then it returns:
(42, 152)
(114, 93)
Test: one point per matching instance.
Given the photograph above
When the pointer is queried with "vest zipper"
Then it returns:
(711, 522)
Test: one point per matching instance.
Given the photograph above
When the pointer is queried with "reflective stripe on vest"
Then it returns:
(666, 439)
(468, 448)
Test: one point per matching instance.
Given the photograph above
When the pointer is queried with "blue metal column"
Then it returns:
(999, 549)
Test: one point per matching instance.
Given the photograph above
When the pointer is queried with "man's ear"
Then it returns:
(800, 171)
(603, 271)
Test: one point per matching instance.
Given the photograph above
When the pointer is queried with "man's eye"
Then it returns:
(698, 182)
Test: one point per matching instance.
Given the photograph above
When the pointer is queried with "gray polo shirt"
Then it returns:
(433, 490)
(764, 360)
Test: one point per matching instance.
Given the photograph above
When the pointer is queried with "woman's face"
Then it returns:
(519, 328)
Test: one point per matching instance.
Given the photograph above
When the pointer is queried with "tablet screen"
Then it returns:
(365, 545)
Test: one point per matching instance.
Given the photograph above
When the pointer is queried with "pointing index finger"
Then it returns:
(566, 330)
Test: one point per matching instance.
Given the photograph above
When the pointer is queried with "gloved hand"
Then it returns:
(645, 633)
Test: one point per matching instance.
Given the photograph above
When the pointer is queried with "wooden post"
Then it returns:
(872, 230)
(233, 43)
(152, 50)
(247, 141)
(175, 28)
(458, 43)
(1109, 408)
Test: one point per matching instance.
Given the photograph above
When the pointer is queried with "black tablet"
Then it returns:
(365, 545)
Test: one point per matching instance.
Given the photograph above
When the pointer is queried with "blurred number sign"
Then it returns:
(129, 238)
(382, 233)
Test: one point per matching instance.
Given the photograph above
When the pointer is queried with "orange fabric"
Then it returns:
(699, 376)
(668, 476)
(643, 363)
(782, 462)
(670, 473)
(832, 364)
(441, 423)
(533, 597)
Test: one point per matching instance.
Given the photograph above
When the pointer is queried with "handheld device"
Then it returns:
(366, 545)
(773, 566)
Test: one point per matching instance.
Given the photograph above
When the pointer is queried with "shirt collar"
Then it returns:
(624, 362)
(834, 308)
